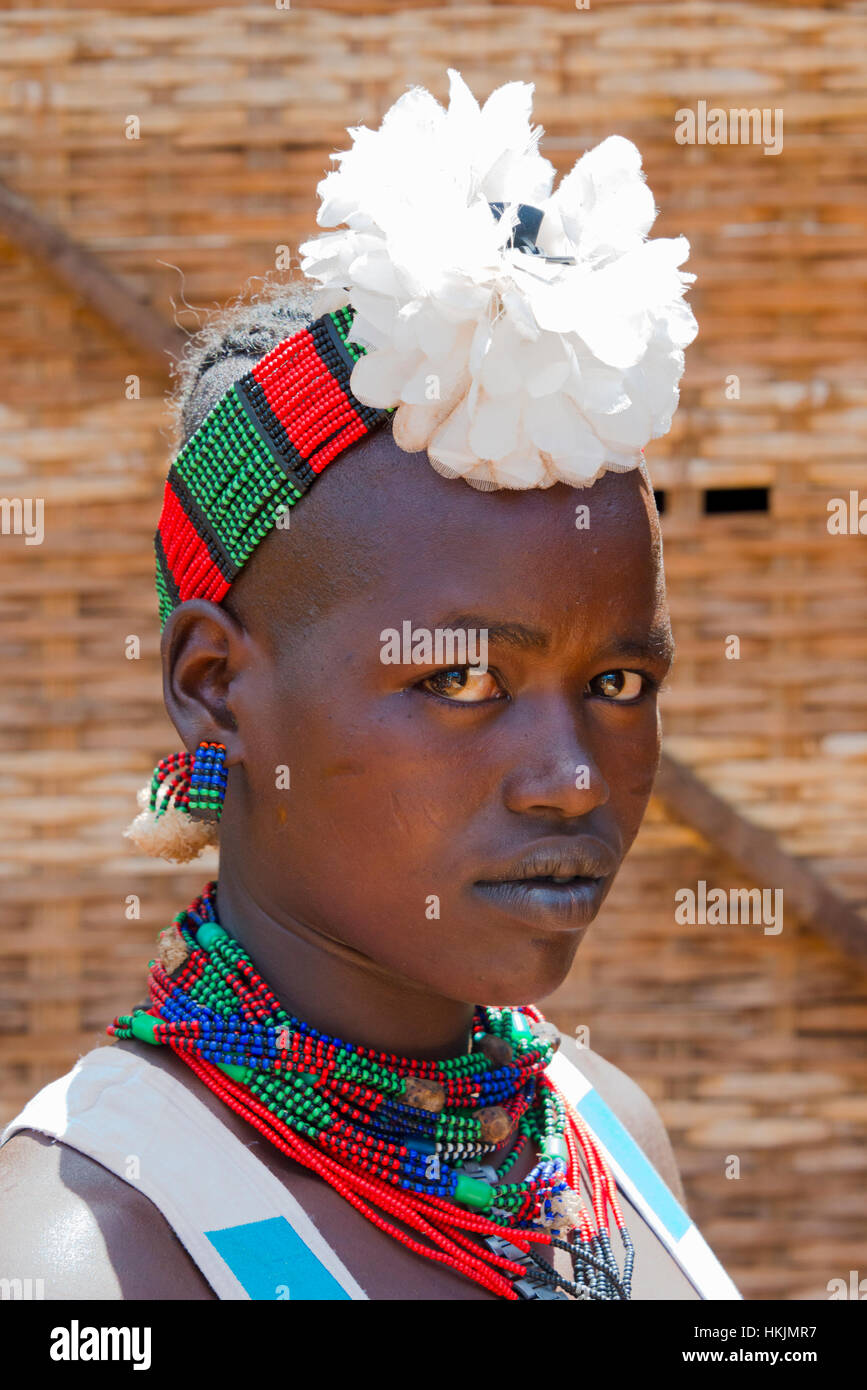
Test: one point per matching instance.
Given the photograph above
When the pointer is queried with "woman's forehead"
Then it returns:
(382, 530)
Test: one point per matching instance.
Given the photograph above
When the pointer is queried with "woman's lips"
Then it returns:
(544, 902)
(558, 884)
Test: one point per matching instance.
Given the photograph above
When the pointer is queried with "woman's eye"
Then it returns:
(619, 686)
(465, 685)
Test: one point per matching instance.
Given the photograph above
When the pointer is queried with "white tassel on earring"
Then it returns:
(164, 831)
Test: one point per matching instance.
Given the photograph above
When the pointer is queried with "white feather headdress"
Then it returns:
(511, 369)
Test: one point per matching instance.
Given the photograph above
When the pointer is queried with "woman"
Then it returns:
(425, 719)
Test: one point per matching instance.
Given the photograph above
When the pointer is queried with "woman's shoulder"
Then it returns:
(58, 1213)
(633, 1108)
(84, 1232)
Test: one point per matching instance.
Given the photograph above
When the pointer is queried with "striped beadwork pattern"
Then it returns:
(170, 783)
(207, 782)
(255, 454)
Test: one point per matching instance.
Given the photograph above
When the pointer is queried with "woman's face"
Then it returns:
(429, 810)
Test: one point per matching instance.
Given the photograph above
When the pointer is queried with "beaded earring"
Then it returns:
(180, 810)
(207, 782)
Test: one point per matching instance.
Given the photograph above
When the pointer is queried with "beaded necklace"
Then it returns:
(395, 1136)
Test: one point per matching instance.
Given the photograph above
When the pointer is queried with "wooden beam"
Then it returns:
(88, 278)
(759, 854)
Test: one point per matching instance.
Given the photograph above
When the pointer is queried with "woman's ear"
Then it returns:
(204, 649)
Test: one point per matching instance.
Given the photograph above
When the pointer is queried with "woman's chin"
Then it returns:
(521, 976)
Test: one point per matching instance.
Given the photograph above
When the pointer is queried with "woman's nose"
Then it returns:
(553, 769)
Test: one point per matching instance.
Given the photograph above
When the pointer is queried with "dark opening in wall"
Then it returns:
(719, 500)
(660, 500)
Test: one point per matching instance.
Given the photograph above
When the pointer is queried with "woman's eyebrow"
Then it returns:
(656, 644)
(508, 634)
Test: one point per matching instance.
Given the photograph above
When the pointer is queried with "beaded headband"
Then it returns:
(255, 454)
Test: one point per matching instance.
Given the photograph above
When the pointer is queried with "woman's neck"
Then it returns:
(338, 990)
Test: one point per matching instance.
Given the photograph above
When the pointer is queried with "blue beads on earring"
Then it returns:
(208, 782)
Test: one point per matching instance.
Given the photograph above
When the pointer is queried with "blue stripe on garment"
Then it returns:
(624, 1150)
(272, 1262)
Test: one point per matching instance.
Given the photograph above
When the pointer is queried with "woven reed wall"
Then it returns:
(752, 1045)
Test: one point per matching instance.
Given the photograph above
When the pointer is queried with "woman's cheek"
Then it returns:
(629, 766)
